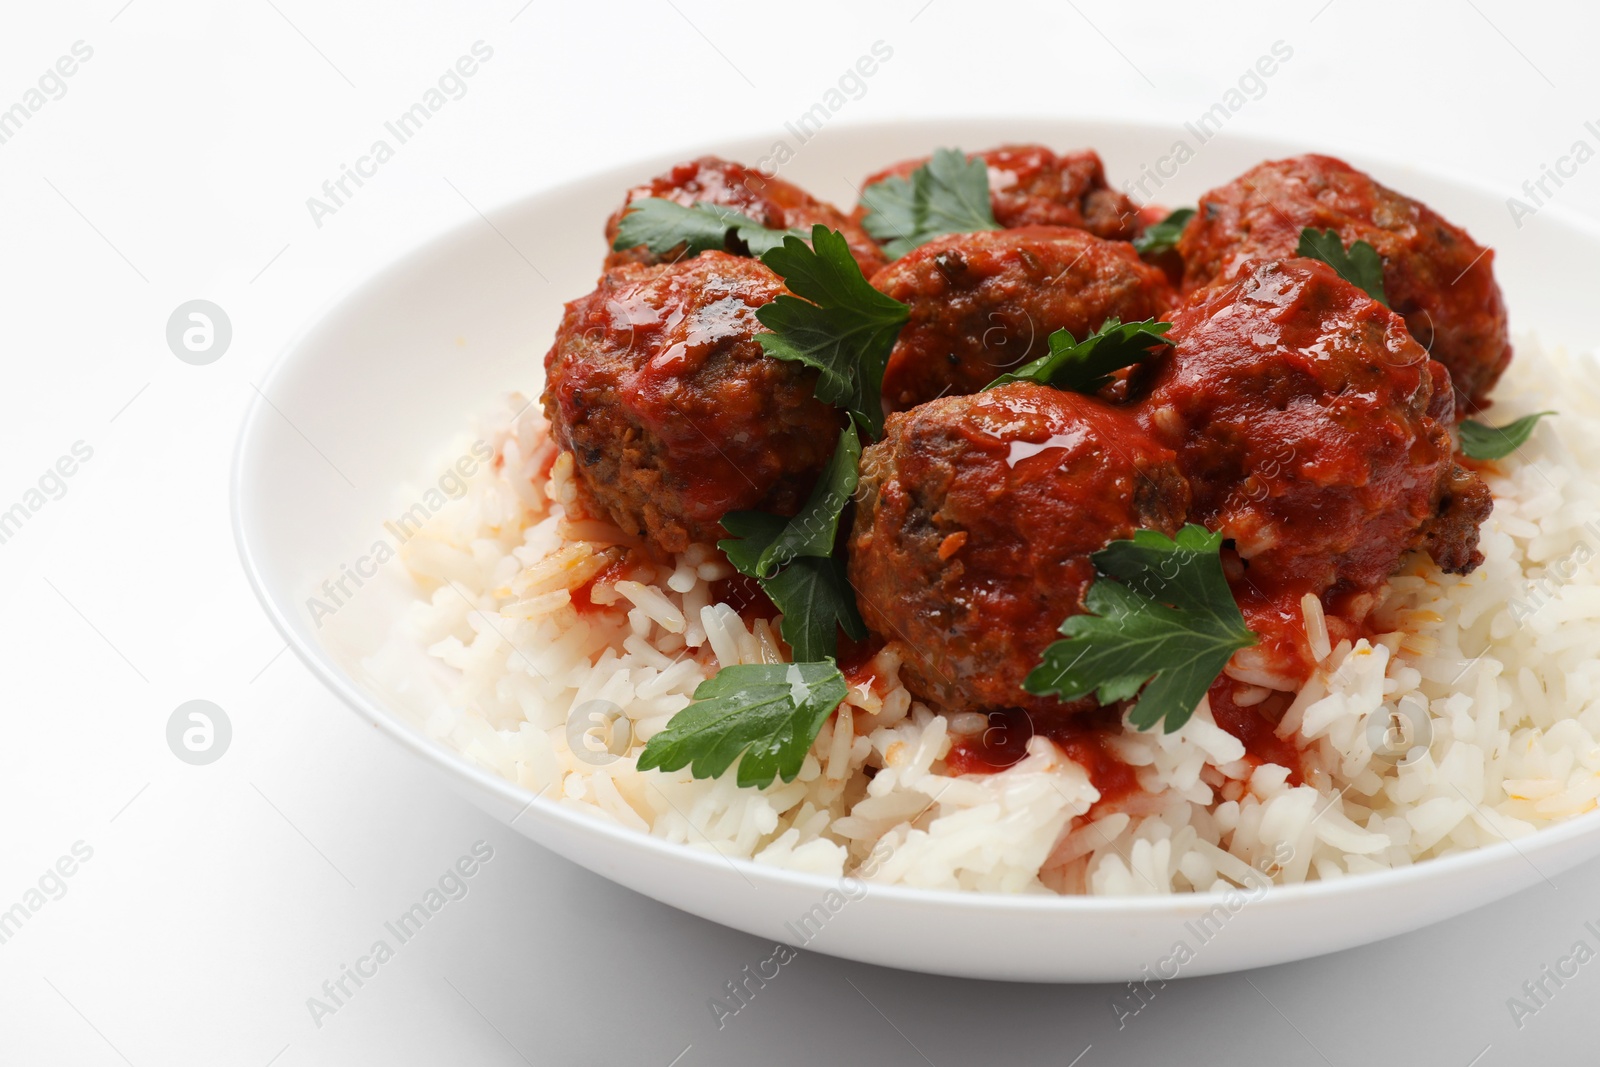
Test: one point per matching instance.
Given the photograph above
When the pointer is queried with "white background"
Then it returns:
(218, 898)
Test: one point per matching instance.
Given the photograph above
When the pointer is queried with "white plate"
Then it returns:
(366, 398)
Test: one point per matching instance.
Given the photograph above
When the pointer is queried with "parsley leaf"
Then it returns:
(816, 600)
(1361, 266)
(794, 562)
(1162, 237)
(1481, 441)
(662, 225)
(753, 533)
(814, 528)
(767, 712)
(1160, 618)
(842, 327)
(1085, 366)
(947, 194)
(771, 712)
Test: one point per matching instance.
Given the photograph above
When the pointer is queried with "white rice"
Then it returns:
(1501, 668)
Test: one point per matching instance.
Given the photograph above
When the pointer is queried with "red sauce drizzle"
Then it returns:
(1080, 737)
(855, 660)
(1254, 726)
(744, 595)
(614, 571)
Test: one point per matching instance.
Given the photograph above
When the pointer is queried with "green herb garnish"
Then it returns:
(767, 712)
(1160, 618)
(1162, 237)
(1085, 366)
(662, 225)
(794, 562)
(835, 322)
(814, 528)
(770, 713)
(1361, 265)
(947, 194)
(1482, 441)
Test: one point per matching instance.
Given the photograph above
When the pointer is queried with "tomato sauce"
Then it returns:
(744, 595)
(615, 571)
(1081, 738)
(855, 660)
(1255, 726)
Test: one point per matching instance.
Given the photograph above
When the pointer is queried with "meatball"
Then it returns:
(1434, 275)
(673, 413)
(1029, 185)
(1315, 434)
(984, 303)
(773, 202)
(975, 522)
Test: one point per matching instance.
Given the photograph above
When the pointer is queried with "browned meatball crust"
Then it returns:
(673, 413)
(985, 303)
(1315, 434)
(772, 202)
(1434, 275)
(975, 522)
(1030, 185)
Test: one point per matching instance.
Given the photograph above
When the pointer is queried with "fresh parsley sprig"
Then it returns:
(947, 194)
(835, 322)
(1361, 265)
(662, 225)
(1482, 441)
(1160, 619)
(1162, 237)
(1085, 366)
(815, 527)
(794, 561)
(769, 713)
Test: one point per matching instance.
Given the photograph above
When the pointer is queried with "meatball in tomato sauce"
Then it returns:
(975, 522)
(1315, 434)
(1434, 275)
(985, 303)
(772, 202)
(673, 413)
(1030, 185)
